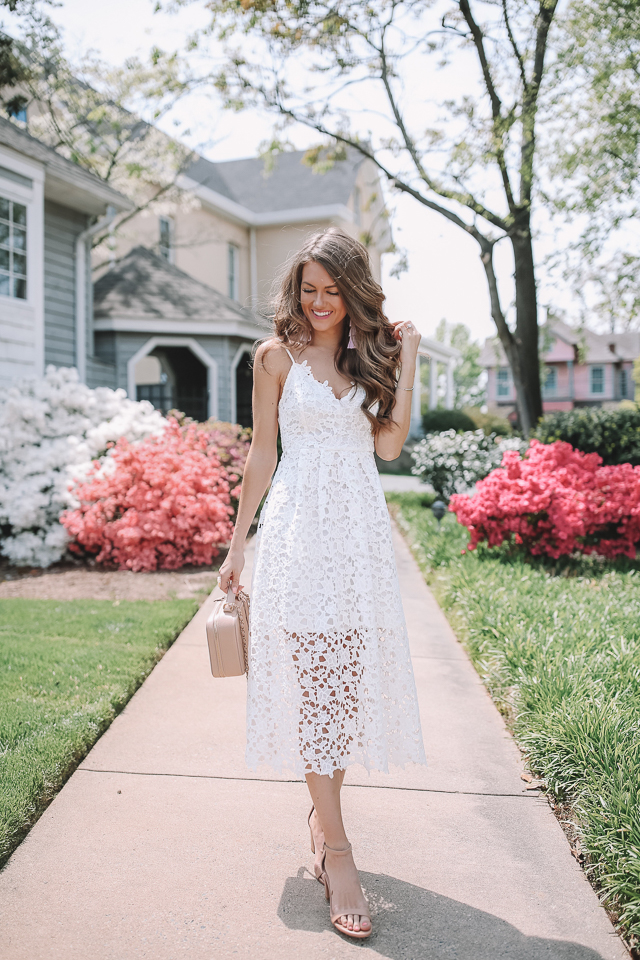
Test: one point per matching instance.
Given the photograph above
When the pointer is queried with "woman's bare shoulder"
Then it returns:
(272, 357)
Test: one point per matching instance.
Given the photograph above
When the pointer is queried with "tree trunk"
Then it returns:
(527, 376)
(521, 352)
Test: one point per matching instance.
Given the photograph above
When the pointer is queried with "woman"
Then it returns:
(330, 679)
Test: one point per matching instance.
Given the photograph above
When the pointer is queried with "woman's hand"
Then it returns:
(405, 331)
(230, 571)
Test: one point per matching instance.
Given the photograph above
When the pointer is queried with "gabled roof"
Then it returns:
(144, 288)
(290, 184)
(65, 182)
(598, 347)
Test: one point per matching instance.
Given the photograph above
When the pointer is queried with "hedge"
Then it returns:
(613, 434)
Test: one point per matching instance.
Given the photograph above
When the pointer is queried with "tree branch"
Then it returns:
(392, 177)
(546, 12)
(514, 44)
(496, 103)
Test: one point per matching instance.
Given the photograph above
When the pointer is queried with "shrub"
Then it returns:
(452, 462)
(555, 501)
(489, 422)
(161, 503)
(613, 434)
(437, 421)
(50, 428)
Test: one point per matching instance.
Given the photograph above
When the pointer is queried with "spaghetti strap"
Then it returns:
(290, 357)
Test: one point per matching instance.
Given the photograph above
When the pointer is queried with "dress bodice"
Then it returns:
(312, 417)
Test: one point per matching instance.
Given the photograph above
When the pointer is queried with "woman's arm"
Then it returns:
(269, 370)
(390, 440)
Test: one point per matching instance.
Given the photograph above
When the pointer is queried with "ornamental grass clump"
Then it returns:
(453, 462)
(161, 503)
(556, 501)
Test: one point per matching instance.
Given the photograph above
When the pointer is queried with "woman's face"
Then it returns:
(320, 299)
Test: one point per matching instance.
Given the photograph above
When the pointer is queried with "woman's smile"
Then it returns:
(320, 297)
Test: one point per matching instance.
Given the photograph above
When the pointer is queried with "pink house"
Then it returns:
(582, 369)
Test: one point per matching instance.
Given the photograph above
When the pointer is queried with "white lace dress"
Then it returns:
(330, 680)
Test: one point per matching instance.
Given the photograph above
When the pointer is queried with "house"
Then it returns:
(47, 206)
(242, 219)
(179, 293)
(173, 340)
(181, 290)
(581, 369)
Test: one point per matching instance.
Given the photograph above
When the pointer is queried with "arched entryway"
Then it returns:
(243, 379)
(174, 374)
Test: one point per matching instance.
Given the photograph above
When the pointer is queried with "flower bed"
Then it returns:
(555, 501)
(51, 429)
(453, 462)
(160, 503)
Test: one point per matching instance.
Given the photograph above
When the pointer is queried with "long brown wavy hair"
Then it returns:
(374, 362)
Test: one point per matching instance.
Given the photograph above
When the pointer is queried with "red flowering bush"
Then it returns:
(555, 501)
(162, 502)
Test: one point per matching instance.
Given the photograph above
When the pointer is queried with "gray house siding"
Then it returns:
(100, 374)
(61, 226)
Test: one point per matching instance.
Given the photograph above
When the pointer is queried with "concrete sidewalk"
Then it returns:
(163, 845)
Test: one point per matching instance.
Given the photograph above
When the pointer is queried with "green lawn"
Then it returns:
(67, 668)
(559, 650)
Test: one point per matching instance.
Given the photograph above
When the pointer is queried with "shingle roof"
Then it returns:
(144, 285)
(59, 167)
(600, 347)
(289, 185)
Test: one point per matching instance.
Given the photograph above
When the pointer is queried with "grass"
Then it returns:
(68, 668)
(558, 646)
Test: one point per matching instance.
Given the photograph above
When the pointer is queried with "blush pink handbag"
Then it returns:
(228, 635)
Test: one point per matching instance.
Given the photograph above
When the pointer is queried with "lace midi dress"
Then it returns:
(330, 681)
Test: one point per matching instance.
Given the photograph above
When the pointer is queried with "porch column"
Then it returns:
(450, 394)
(433, 383)
(415, 429)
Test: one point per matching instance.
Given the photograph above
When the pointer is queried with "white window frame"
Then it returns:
(33, 198)
(623, 378)
(16, 251)
(503, 382)
(552, 390)
(233, 260)
(592, 369)
(161, 246)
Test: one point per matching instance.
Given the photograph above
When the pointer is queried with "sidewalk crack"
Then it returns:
(530, 794)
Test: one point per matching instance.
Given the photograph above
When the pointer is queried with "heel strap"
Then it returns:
(338, 852)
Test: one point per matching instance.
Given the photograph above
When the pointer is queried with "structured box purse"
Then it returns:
(228, 635)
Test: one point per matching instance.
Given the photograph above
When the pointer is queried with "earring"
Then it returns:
(351, 345)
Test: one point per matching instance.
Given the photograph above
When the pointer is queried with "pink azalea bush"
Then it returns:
(555, 501)
(162, 502)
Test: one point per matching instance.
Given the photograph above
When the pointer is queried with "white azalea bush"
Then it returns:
(51, 429)
(453, 462)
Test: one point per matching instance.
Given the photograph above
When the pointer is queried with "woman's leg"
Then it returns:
(325, 794)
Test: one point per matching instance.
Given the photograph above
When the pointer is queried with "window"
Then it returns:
(597, 380)
(13, 249)
(503, 381)
(233, 271)
(166, 238)
(624, 384)
(550, 385)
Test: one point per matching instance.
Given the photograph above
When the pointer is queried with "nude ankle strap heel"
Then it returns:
(335, 916)
(317, 870)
